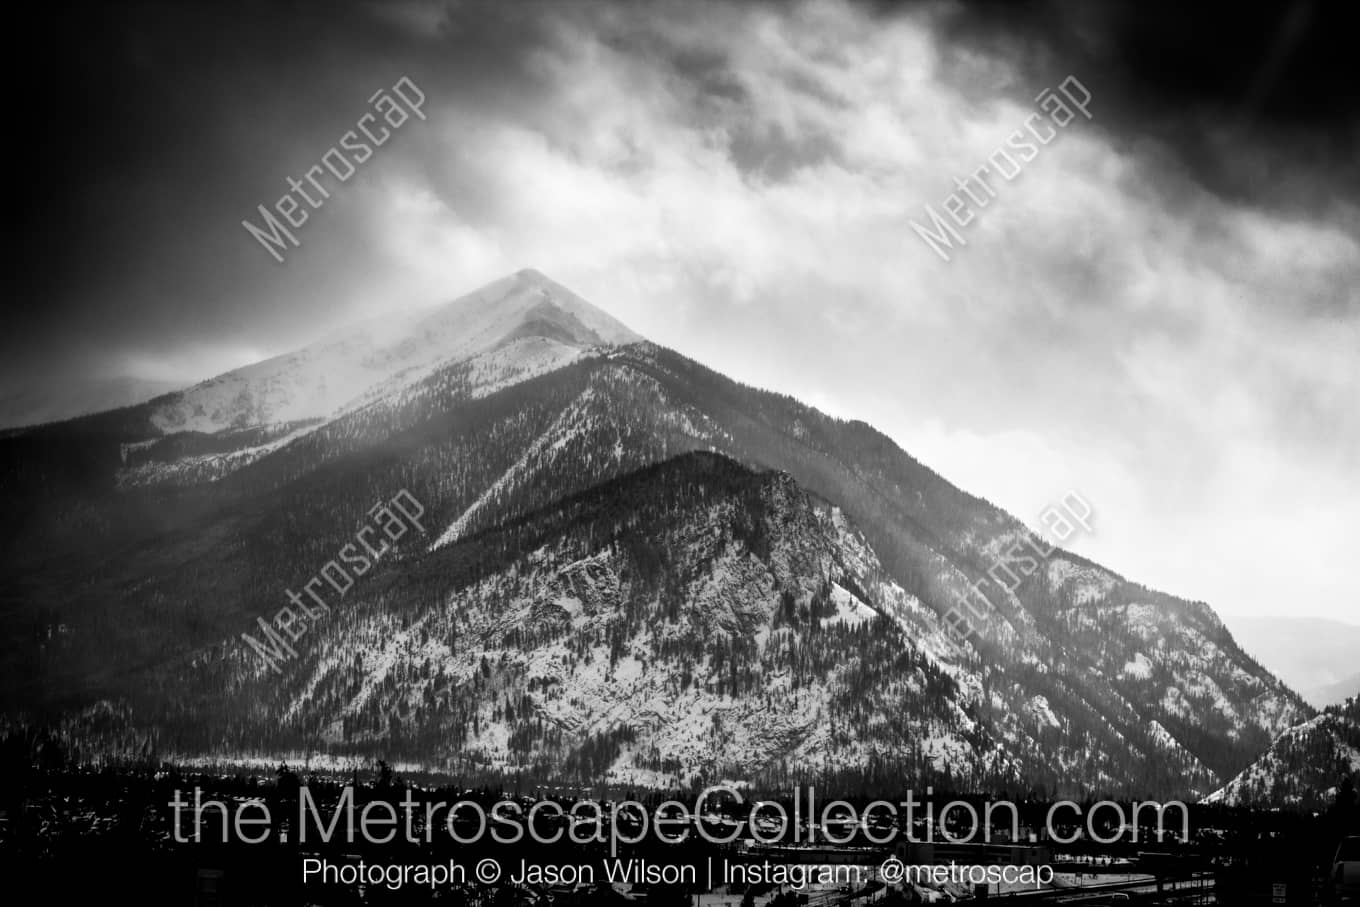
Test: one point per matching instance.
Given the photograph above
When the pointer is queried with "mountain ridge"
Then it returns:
(1090, 683)
(318, 380)
(1305, 766)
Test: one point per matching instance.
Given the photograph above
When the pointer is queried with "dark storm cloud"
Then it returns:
(1258, 100)
(157, 127)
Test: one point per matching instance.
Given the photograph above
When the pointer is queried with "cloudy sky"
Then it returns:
(1161, 312)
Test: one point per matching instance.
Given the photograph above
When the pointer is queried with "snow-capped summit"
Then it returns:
(320, 380)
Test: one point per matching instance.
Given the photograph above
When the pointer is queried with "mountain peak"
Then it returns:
(526, 307)
(533, 275)
(529, 297)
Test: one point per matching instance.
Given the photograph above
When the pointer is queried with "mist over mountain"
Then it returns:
(1317, 657)
(633, 569)
(52, 403)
